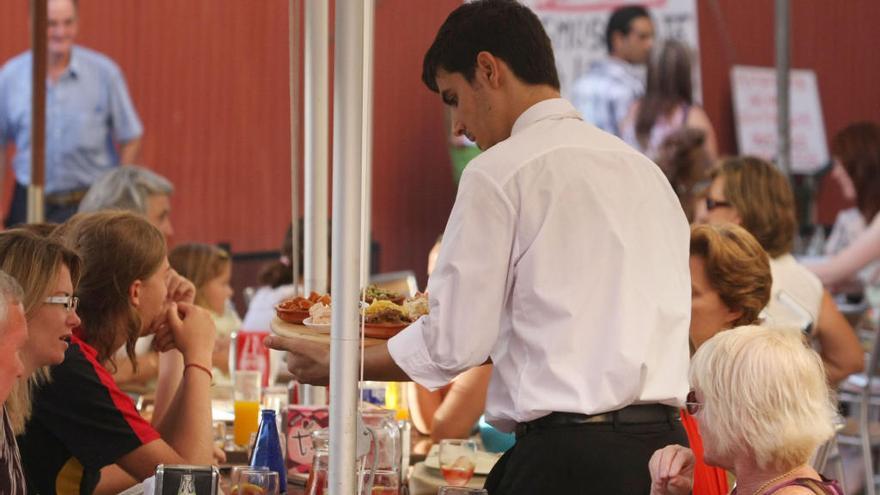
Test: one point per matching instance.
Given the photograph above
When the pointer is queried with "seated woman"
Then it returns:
(209, 268)
(763, 406)
(81, 421)
(854, 243)
(730, 280)
(752, 193)
(48, 273)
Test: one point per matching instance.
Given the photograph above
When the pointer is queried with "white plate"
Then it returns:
(321, 327)
(485, 460)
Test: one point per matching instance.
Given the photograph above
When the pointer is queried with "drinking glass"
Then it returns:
(385, 482)
(235, 476)
(457, 459)
(461, 490)
(247, 405)
(257, 482)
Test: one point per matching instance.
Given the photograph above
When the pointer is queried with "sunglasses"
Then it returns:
(69, 302)
(691, 403)
(711, 204)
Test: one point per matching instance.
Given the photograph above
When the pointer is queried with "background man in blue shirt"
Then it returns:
(91, 123)
(606, 92)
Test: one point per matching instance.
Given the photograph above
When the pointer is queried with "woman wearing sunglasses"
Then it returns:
(48, 273)
(752, 193)
(763, 406)
(85, 435)
(730, 284)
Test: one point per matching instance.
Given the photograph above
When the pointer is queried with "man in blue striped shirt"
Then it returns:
(91, 123)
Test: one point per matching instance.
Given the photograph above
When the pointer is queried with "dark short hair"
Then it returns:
(504, 28)
(621, 21)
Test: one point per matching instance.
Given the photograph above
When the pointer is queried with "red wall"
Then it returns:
(210, 80)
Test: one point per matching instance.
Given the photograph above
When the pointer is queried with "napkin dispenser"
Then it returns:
(178, 479)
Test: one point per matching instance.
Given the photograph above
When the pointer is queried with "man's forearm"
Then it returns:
(379, 366)
(128, 151)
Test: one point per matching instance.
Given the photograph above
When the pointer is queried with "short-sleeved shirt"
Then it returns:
(87, 109)
(81, 422)
(11, 473)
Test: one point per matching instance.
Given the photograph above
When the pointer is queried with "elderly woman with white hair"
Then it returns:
(763, 406)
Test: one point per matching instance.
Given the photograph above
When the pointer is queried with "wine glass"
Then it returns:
(457, 460)
(461, 490)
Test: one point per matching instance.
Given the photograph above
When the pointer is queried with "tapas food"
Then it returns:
(373, 293)
(383, 319)
(296, 309)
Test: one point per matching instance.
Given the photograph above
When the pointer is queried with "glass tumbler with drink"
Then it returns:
(247, 405)
(457, 459)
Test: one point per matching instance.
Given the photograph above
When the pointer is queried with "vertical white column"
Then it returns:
(317, 119)
(347, 177)
(367, 159)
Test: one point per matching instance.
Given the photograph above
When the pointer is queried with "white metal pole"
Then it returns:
(783, 64)
(347, 166)
(367, 203)
(294, 54)
(317, 117)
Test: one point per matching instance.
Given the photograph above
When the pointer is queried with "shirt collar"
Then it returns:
(553, 108)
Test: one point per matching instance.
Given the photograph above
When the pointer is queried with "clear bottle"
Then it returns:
(267, 449)
(317, 483)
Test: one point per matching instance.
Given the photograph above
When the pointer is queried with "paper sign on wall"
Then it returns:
(754, 106)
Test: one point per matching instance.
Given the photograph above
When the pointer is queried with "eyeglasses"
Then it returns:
(711, 204)
(691, 403)
(70, 303)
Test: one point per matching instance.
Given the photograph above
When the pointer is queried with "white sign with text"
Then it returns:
(754, 108)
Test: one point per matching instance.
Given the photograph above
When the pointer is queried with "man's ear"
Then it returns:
(134, 293)
(489, 66)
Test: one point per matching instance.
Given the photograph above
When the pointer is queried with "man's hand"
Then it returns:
(307, 361)
(672, 470)
(179, 288)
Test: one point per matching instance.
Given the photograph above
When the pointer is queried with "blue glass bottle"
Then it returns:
(267, 449)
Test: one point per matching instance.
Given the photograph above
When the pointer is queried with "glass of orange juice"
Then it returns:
(247, 405)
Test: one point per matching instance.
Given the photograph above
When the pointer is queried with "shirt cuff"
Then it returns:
(409, 352)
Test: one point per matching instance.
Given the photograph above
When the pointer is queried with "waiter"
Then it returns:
(564, 263)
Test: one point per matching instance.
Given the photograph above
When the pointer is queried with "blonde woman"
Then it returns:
(48, 273)
(751, 192)
(763, 406)
(209, 268)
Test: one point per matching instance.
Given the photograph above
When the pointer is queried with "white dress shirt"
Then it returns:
(565, 260)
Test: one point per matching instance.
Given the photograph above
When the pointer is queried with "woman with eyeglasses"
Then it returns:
(85, 435)
(47, 272)
(730, 284)
(763, 407)
(752, 193)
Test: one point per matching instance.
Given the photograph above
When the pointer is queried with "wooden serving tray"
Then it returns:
(284, 329)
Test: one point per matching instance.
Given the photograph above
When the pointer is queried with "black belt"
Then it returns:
(629, 415)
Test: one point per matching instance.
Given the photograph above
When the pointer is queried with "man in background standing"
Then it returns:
(91, 123)
(605, 93)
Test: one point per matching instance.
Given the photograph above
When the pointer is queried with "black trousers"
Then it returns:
(603, 459)
(18, 209)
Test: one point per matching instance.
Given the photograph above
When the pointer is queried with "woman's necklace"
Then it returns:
(770, 482)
